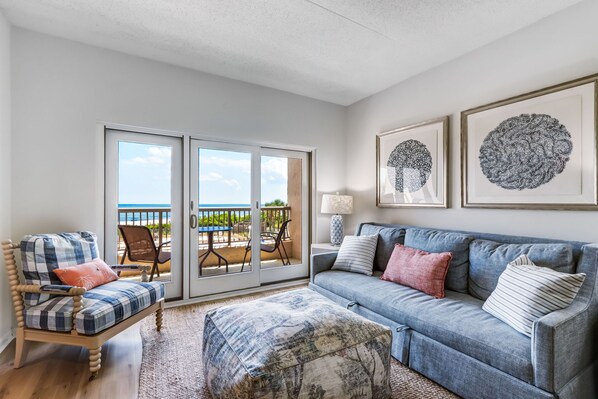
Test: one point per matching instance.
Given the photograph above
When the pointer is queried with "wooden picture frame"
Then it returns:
(420, 153)
(533, 151)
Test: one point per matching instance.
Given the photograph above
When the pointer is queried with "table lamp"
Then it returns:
(338, 205)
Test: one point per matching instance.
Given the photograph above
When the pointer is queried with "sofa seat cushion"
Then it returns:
(456, 321)
(103, 307)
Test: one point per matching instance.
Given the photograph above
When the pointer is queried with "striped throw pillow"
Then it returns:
(356, 254)
(526, 292)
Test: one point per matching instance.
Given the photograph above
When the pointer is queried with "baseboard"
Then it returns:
(6, 339)
(232, 294)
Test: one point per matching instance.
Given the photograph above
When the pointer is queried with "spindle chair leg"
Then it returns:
(20, 349)
(95, 361)
(159, 314)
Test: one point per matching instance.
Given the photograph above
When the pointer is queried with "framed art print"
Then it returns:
(411, 165)
(535, 151)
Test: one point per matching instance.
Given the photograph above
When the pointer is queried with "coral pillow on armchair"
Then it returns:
(424, 271)
(88, 275)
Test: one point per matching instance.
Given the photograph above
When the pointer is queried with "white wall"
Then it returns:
(5, 175)
(560, 48)
(63, 88)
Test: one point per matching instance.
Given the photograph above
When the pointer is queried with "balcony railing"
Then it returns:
(238, 219)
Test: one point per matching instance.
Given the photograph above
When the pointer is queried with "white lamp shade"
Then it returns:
(341, 204)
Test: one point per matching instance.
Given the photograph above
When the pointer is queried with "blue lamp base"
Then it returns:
(336, 229)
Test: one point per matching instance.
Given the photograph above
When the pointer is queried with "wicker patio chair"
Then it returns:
(140, 247)
(47, 311)
(270, 248)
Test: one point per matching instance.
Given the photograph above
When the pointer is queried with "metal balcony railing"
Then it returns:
(158, 220)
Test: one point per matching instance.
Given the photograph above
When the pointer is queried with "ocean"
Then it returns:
(141, 206)
(154, 217)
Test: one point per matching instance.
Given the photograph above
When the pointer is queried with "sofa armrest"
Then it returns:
(321, 262)
(562, 341)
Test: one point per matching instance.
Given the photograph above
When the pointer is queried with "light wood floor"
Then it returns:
(61, 372)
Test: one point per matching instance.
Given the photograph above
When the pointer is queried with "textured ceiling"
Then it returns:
(334, 50)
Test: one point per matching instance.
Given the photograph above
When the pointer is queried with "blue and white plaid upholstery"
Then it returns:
(103, 307)
(42, 253)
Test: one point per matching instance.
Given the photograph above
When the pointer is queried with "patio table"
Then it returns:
(210, 230)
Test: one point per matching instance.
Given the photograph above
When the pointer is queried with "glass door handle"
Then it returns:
(193, 222)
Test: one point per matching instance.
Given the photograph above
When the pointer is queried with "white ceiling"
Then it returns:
(334, 50)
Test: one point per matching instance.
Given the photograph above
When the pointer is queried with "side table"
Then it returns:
(323, 247)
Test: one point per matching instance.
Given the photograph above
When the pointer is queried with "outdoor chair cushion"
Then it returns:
(42, 253)
(104, 306)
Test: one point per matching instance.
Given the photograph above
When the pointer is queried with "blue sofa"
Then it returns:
(452, 340)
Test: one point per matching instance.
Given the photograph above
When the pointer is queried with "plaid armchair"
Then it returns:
(48, 311)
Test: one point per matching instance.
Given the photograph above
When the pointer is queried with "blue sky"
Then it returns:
(224, 176)
(144, 173)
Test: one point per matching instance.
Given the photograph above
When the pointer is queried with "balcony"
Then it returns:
(230, 244)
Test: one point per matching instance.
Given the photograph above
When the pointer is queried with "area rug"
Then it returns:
(171, 365)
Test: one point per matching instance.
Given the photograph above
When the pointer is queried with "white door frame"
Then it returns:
(174, 287)
(207, 285)
(100, 218)
(283, 273)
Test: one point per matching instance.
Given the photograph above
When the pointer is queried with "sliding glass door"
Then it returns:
(225, 214)
(143, 203)
(244, 223)
(284, 215)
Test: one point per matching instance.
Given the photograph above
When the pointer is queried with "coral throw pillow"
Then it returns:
(424, 271)
(88, 275)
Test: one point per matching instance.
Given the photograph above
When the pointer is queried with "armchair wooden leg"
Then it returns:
(159, 314)
(21, 348)
(95, 361)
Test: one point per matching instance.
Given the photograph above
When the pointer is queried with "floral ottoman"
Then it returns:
(295, 345)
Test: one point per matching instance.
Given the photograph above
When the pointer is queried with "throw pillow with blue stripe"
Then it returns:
(526, 292)
(356, 254)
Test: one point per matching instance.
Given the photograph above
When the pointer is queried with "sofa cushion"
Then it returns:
(443, 241)
(526, 292)
(356, 254)
(418, 269)
(457, 320)
(41, 254)
(488, 259)
(387, 238)
(103, 307)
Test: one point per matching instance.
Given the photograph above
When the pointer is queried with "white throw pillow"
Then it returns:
(356, 254)
(526, 292)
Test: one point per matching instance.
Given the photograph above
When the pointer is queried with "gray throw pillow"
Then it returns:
(356, 254)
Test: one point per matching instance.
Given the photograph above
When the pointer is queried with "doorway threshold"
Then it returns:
(230, 294)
